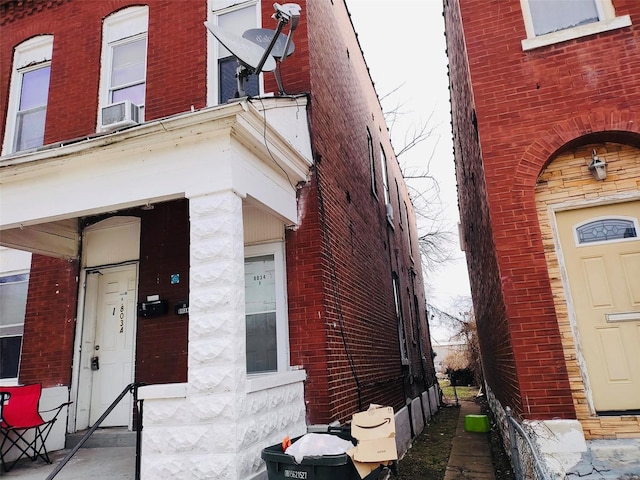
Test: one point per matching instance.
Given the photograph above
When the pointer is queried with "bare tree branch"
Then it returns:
(436, 240)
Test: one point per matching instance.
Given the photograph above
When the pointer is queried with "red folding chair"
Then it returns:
(22, 426)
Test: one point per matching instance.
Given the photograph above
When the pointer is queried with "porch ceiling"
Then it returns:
(55, 239)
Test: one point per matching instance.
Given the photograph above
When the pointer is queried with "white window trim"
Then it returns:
(124, 24)
(217, 8)
(608, 21)
(282, 318)
(264, 381)
(35, 51)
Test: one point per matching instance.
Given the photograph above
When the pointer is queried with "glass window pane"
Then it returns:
(260, 306)
(128, 63)
(237, 22)
(13, 304)
(605, 230)
(385, 178)
(9, 356)
(30, 128)
(35, 88)
(134, 93)
(229, 83)
(261, 343)
(13, 299)
(553, 15)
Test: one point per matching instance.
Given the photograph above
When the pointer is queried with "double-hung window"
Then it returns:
(267, 332)
(32, 109)
(128, 70)
(553, 21)
(28, 95)
(236, 18)
(14, 285)
(124, 59)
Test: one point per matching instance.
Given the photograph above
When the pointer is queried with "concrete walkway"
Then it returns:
(107, 463)
(470, 457)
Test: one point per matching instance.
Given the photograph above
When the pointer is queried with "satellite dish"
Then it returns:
(246, 51)
(263, 37)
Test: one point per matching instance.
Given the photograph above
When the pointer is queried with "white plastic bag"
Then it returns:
(317, 444)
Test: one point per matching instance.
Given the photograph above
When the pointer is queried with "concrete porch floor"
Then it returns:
(103, 463)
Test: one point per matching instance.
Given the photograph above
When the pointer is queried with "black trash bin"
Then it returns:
(281, 466)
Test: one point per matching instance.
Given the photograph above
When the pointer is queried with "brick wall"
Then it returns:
(161, 343)
(49, 328)
(490, 311)
(529, 105)
(345, 247)
(75, 68)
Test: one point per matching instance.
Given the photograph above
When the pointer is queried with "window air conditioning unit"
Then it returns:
(119, 115)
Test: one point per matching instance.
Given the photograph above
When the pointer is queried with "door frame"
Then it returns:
(552, 211)
(80, 389)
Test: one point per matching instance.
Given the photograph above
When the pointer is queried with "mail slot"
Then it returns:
(153, 308)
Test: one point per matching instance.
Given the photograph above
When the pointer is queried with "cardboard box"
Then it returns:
(375, 430)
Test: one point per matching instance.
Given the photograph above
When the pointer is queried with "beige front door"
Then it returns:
(601, 250)
(112, 362)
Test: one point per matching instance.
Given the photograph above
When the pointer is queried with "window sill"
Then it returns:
(163, 391)
(258, 382)
(576, 32)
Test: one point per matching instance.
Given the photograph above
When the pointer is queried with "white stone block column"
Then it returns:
(217, 353)
(195, 436)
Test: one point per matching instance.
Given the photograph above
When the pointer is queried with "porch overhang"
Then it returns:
(258, 153)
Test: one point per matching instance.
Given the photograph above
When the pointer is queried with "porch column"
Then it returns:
(217, 354)
(191, 430)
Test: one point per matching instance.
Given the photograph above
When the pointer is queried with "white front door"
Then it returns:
(601, 249)
(113, 347)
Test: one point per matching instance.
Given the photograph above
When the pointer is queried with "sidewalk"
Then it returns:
(113, 463)
(470, 451)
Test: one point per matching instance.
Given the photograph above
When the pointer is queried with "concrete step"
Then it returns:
(619, 454)
(103, 437)
(609, 460)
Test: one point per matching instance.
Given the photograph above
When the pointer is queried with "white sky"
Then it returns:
(404, 46)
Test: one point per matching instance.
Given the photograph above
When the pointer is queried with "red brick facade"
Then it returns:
(340, 259)
(514, 110)
(50, 321)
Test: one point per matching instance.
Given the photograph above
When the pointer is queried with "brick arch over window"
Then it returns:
(598, 125)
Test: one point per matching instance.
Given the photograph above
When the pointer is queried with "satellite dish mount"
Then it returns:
(252, 57)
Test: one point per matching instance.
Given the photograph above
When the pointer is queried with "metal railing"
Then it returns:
(527, 465)
(131, 388)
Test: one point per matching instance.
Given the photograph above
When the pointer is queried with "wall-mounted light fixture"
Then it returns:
(597, 167)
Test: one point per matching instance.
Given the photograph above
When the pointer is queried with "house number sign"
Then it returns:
(121, 314)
